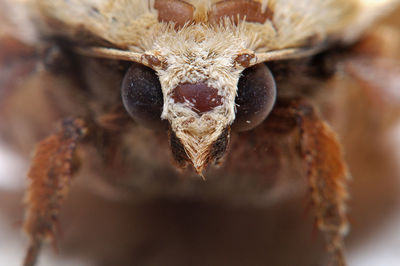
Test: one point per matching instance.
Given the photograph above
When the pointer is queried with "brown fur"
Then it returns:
(50, 176)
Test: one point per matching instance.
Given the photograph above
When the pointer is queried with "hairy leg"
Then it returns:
(50, 175)
(326, 172)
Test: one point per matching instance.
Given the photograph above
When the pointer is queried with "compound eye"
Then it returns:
(255, 98)
(142, 96)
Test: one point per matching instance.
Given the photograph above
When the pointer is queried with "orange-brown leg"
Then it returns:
(50, 175)
(326, 172)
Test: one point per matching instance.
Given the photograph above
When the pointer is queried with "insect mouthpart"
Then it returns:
(198, 150)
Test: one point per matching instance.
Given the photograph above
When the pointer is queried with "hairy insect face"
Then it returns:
(198, 51)
(201, 72)
(199, 86)
(198, 74)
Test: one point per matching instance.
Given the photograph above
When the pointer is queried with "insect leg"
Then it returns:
(327, 176)
(50, 175)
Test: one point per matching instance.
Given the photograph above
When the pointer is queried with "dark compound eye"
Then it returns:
(142, 96)
(256, 97)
